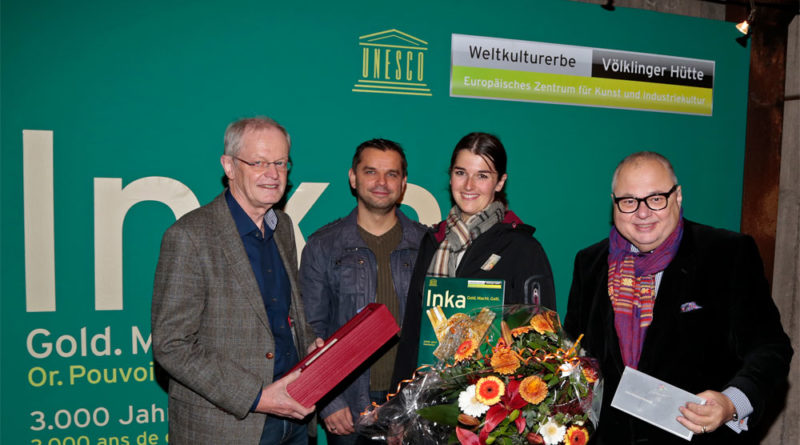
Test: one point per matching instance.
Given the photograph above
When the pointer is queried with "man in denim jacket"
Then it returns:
(366, 257)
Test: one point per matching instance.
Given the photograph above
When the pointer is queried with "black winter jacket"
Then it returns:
(523, 265)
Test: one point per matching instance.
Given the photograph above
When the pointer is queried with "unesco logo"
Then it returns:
(392, 62)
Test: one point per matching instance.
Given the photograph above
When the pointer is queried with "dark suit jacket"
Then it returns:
(210, 327)
(735, 339)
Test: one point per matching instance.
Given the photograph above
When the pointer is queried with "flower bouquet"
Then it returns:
(527, 384)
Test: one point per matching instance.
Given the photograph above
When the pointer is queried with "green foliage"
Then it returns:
(441, 414)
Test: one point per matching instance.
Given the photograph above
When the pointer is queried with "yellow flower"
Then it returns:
(505, 333)
(542, 323)
(504, 361)
(533, 389)
(516, 332)
(627, 282)
(488, 390)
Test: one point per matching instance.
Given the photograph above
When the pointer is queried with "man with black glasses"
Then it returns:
(682, 302)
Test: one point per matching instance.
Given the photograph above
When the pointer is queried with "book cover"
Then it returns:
(447, 305)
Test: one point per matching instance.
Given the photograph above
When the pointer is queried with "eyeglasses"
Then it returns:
(656, 201)
(281, 165)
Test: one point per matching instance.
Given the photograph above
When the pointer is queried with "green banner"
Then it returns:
(113, 116)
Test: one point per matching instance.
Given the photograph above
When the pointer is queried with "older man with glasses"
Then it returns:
(683, 302)
(228, 323)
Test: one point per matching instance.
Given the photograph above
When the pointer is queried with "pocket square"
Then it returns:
(491, 262)
(690, 306)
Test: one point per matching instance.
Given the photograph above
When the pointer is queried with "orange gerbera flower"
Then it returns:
(542, 324)
(505, 361)
(466, 349)
(576, 435)
(488, 390)
(533, 389)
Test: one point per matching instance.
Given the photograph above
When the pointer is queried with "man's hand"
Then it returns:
(340, 422)
(318, 343)
(707, 418)
(276, 400)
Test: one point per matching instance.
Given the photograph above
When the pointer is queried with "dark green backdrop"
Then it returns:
(135, 89)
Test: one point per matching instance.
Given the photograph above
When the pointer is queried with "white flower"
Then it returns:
(551, 432)
(566, 369)
(469, 404)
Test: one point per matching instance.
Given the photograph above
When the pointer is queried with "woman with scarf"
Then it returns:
(481, 238)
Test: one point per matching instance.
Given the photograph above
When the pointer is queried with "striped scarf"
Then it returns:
(632, 289)
(459, 235)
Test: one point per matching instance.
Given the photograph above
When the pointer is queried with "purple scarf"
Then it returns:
(631, 287)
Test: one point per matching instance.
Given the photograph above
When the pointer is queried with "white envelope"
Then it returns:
(654, 401)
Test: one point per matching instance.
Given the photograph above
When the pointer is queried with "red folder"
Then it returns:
(344, 351)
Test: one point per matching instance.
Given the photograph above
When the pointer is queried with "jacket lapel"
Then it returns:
(236, 257)
(284, 239)
(604, 307)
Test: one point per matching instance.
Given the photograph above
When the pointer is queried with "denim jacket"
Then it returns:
(338, 276)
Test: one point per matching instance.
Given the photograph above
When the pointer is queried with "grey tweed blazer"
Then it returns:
(210, 328)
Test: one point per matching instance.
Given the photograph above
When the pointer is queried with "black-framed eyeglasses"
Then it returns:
(262, 166)
(656, 201)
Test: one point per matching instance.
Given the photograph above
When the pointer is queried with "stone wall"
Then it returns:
(786, 279)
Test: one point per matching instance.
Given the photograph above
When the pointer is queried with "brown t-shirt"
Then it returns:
(382, 246)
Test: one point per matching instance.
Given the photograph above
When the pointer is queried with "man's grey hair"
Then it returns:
(235, 131)
(640, 156)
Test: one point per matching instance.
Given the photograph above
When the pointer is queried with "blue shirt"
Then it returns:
(273, 282)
